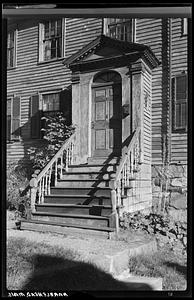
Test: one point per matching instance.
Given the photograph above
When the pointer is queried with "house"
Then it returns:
(123, 83)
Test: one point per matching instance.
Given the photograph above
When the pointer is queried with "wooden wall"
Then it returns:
(30, 76)
(155, 34)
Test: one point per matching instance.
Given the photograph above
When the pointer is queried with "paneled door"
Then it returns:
(106, 121)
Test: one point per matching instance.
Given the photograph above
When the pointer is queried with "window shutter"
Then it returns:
(66, 104)
(35, 117)
(8, 120)
(16, 118)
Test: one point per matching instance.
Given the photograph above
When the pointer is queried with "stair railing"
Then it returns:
(41, 183)
(131, 157)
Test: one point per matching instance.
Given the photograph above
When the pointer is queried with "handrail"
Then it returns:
(41, 183)
(124, 158)
(125, 173)
(57, 155)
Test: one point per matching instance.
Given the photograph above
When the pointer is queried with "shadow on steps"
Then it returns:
(52, 273)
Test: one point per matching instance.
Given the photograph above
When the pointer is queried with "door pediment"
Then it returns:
(104, 48)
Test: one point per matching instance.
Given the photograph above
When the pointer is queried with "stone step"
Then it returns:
(70, 229)
(98, 210)
(77, 200)
(75, 219)
(89, 183)
(97, 192)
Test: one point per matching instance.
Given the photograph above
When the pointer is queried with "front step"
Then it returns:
(77, 200)
(97, 210)
(93, 168)
(82, 183)
(76, 219)
(66, 228)
(87, 176)
(95, 192)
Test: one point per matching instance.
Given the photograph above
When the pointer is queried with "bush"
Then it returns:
(157, 224)
(17, 187)
(56, 131)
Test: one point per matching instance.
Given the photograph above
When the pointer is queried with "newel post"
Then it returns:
(33, 191)
(114, 214)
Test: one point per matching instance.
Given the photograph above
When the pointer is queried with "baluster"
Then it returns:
(49, 181)
(132, 162)
(56, 172)
(46, 183)
(66, 161)
(61, 159)
(128, 169)
(43, 187)
(39, 191)
(72, 153)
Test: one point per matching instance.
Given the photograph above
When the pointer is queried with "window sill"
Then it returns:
(11, 68)
(50, 61)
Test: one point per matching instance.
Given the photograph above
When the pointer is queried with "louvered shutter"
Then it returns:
(8, 129)
(35, 117)
(15, 130)
(66, 104)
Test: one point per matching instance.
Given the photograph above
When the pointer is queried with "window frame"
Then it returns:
(43, 113)
(15, 32)
(184, 26)
(175, 128)
(41, 58)
(106, 25)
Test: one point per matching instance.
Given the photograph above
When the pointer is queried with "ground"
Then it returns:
(30, 253)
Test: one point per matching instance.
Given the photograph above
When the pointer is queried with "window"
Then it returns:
(179, 94)
(51, 41)
(122, 29)
(11, 49)
(46, 105)
(13, 118)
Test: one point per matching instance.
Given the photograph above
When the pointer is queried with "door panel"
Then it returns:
(106, 121)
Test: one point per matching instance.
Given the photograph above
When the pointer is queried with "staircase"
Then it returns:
(87, 198)
(80, 202)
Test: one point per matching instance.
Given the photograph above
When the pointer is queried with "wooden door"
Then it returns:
(106, 121)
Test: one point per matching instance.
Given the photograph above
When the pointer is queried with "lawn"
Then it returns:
(34, 266)
(166, 263)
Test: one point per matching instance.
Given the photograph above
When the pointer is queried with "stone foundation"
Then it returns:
(173, 198)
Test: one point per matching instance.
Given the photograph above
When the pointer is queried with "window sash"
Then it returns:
(11, 49)
(122, 29)
(51, 41)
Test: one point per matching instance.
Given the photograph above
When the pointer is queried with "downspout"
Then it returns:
(170, 94)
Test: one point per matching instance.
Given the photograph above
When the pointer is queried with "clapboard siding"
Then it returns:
(30, 76)
(179, 63)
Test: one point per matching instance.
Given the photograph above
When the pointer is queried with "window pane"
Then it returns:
(178, 115)
(52, 32)
(47, 49)
(59, 28)
(46, 28)
(51, 102)
(181, 87)
(59, 47)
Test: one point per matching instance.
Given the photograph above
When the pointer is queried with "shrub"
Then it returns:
(17, 187)
(157, 224)
(56, 131)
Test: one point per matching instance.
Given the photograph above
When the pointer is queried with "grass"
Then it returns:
(21, 256)
(165, 263)
(40, 267)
